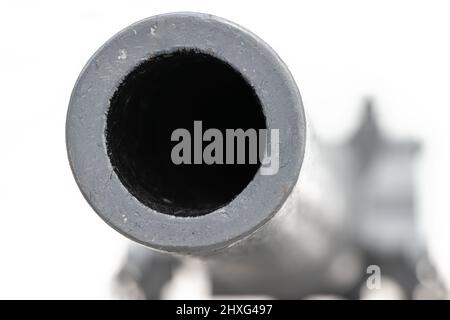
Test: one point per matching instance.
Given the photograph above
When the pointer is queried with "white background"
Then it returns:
(52, 245)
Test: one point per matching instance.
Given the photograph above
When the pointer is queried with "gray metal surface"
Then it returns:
(86, 120)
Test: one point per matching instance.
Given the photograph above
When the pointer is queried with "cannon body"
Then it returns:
(301, 230)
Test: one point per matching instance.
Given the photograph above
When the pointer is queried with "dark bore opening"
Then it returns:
(171, 91)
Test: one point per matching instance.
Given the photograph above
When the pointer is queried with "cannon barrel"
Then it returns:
(261, 231)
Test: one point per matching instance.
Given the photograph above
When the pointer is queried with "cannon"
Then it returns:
(286, 225)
